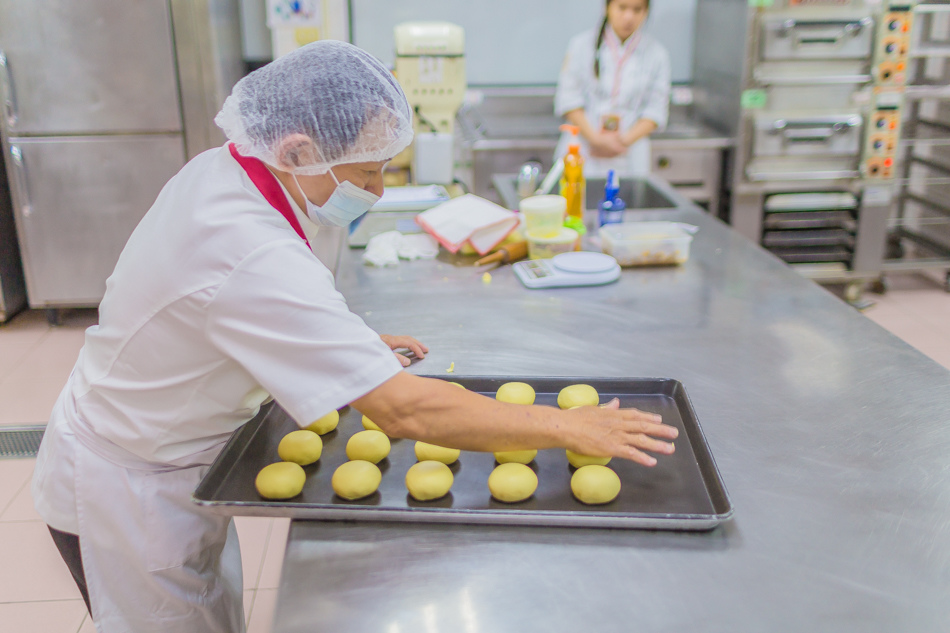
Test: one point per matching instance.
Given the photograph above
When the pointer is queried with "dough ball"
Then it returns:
(457, 385)
(515, 393)
(301, 447)
(425, 452)
(516, 457)
(325, 424)
(595, 484)
(370, 446)
(512, 482)
(282, 480)
(578, 396)
(369, 425)
(579, 461)
(356, 479)
(429, 480)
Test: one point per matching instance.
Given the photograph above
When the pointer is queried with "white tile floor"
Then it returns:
(37, 593)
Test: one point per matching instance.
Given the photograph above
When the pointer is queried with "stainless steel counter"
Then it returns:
(832, 437)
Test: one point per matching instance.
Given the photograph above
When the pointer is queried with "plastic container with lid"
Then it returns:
(544, 215)
(647, 243)
(541, 247)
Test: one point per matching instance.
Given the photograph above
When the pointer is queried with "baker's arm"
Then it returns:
(435, 411)
(404, 342)
(642, 128)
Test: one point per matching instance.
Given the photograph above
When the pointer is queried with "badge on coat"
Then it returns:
(610, 123)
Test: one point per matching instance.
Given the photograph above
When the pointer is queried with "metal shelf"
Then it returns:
(930, 164)
(930, 51)
(932, 8)
(931, 204)
(927, 91)
(937, 134)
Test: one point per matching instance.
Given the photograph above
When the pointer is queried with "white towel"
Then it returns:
(387, 248)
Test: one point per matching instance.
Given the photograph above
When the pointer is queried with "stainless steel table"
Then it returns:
(832, 436)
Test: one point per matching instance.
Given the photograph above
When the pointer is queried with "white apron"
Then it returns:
(153, 559)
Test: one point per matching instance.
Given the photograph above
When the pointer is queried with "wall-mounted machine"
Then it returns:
(812, 90)
(430, 67)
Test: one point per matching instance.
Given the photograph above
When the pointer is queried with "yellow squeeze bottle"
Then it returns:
(573, 186)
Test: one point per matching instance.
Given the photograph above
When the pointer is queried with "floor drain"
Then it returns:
(20, 442)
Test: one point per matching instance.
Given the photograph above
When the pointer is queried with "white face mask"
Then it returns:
(346, 203)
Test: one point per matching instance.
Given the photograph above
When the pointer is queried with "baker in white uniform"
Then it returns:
(614, 86)
(217, 304)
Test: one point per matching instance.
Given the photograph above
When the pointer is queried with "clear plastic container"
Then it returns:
(647, 243)
(544, 215)
(541, 247)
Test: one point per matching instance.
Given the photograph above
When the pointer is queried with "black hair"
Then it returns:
(600, 39)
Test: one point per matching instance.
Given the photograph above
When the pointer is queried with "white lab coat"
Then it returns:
(644, 92)
(214, 305)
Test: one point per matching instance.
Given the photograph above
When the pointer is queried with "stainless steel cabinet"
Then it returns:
(75, 215)
(89, 67)
(103, 101)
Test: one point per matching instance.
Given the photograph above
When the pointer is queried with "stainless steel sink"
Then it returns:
(637, 193)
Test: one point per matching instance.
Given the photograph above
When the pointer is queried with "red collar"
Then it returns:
(270, 188)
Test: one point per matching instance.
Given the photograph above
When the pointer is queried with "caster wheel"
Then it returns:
(880, 286)
(852, 293)
(53, 317)
(895, 248)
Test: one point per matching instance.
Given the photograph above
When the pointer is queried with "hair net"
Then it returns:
(339, 96)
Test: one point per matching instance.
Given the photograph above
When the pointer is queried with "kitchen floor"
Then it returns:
(37, 593)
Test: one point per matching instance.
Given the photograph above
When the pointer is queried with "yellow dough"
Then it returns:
(516, 457)
(301, 447)
(356, 479)
(595, 484)
(370, 446)
(515, 393)
(578, 396)
(432, 452)
(457, 385)
(429, 480)
(282, 480)
(579, 461)
(325, 424)
(369, 425)
(512, 482)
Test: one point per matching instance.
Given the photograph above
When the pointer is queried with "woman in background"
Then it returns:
(614, 86)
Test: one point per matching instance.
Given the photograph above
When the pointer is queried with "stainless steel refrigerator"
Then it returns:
(103, 102)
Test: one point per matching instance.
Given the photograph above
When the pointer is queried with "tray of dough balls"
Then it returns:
(342, 467)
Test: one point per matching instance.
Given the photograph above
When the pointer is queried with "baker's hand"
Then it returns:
(615, 432)
(606, 145)
(406, 343)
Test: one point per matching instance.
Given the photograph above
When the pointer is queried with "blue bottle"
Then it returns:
(612, 206)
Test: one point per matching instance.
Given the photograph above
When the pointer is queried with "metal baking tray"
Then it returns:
(682, 492)
(810, 220)
(813, 255)
(806, 238)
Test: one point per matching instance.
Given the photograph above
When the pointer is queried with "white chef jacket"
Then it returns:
(644, 93)
(214, 305)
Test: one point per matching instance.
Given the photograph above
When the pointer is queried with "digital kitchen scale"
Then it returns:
(579, 268)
